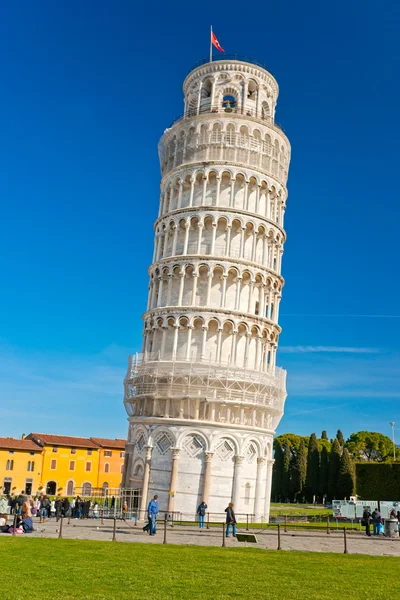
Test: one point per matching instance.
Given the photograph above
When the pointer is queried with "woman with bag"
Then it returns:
(230, 520)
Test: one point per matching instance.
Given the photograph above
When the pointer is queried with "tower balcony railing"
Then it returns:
(227, 110)
(205, 367)
(230, 57)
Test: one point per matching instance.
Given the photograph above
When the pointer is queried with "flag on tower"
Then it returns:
(215, 42)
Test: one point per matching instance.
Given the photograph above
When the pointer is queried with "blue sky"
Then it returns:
(87, 89)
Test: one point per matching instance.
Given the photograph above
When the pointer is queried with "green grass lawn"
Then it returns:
(44, 569)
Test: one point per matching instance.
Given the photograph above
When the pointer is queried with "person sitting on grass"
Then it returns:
(230, 520)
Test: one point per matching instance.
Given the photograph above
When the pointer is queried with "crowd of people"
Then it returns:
(376, 520)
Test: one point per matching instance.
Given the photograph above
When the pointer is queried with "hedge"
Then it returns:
(378, 481)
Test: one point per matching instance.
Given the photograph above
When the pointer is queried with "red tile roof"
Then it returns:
(50, 439)
(118, 444)
(15, 444)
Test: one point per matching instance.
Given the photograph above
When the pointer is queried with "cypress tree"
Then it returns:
(277, 472)
(334, 466)
(324, 435)
(347, 477)
(324, 471)
(300, 472)
(312, 478)
(340, 438)
(286, 471)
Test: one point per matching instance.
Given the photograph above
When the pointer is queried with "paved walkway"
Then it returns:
(313, 541)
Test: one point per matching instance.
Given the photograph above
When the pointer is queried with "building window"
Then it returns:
(55, 449)
(87, 489)
(88, 466)
(73, 450)
(31, 465)
(53, 464)
(9, 465)
(72, 465)
(107, 453)
(11, 452)
(89, 452)
(70, 488)
(7, 485)
(32, 453)
(122, 455)
(28, 486)
(106, 468)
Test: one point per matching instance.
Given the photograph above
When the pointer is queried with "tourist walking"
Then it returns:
(230, 520)
(152, 512)
(44, 508)
(52, 510)
(367, 521)
(124, 511)
(377, 520)
(66, 508)
(201, 511)
(95, 511)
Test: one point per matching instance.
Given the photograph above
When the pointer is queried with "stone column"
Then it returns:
(194, 290)
(228, 240)
(203, 343)
(237, 481)
(174, 479)
(223, 293)
(176, 231)
(238, 288)
(214, 236)
(189, 341)
(181, 283)
(146, 478)
(219, 344)
(175, 342)
(209, 282)
(180, 184)
(267, 503)
(218, 188)
(207, 476)
(185, 243)
(241, 251)
(192, 181)
(259, 495)
(169, 289)
(200, 229)
(203, 199)
(160, 288)
(232, 194)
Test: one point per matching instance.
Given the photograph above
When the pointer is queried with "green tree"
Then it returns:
(286, 471)
(346, 484)
(293, 439)
(277, 471)
(324, 471)
(299, 472)
(324, 435)
(312, 478)
(334, 466)
(340, 438)
(370, 445)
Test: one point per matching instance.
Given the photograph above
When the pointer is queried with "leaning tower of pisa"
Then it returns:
(205, 396)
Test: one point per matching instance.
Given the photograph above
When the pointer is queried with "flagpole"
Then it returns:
(211, 43)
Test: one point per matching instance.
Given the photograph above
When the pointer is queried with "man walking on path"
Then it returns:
(376, 518)
(152, 512)
(201, 511)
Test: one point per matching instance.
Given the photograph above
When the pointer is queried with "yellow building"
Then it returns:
(77, 465)
(111, 462)
(60, 464)
(20, 466)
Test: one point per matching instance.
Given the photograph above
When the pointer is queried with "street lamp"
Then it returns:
(394, 444)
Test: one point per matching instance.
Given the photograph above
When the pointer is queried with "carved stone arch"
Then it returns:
(251, 439)
(268, 450)
(195, 318)
(215, 443)
(243, 324)
(192, 431)
(212, 320)
(156, 434)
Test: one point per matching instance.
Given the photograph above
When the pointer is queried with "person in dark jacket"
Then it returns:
(367, 521)
(66, 508)
(44, 508)
(230, 520)
(376, 519)
(201, 511)
(58, 507)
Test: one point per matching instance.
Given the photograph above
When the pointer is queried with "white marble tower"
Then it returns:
(205, 396)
